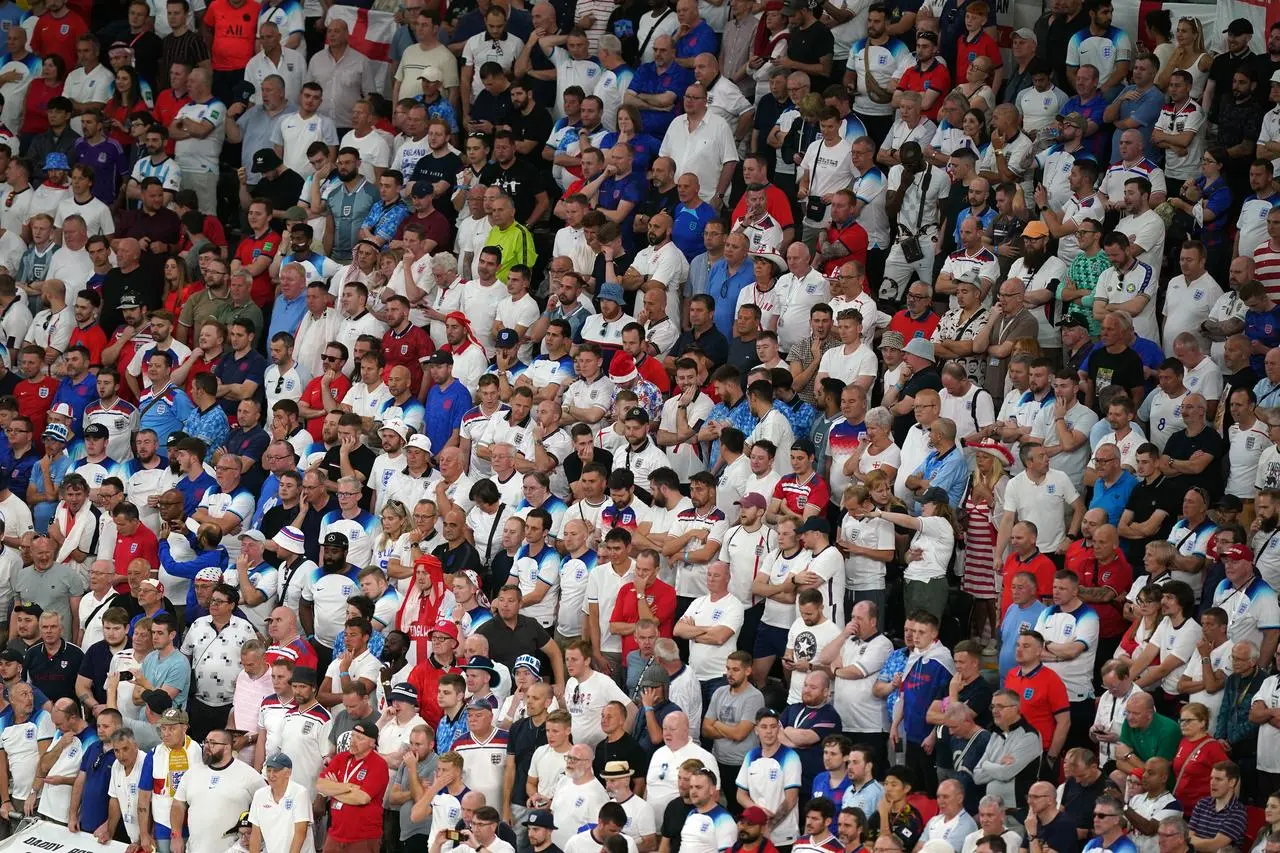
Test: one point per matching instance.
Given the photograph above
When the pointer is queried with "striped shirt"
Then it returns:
(1266, 262)
(1207, 820)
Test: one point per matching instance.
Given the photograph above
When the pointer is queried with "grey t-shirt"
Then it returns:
(343, 724)
(730, 708)
(52, 589)
(426, 770)
(1080, 418)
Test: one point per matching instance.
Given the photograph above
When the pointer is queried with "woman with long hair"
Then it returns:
(1198, 751)
(178, 288)
(981, 510)
(1158, 665)
(1160, 30)
(1272, 813)
(391, 543)
(1187, 53)
(126, 99)
(644, 148)
(974, 125)
(35, 111)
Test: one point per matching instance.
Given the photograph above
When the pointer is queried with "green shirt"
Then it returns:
(1160, 739)
(1084, 273)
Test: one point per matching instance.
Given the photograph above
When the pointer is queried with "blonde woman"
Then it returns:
(1188, 55)
(391, 546)
(984, 503)
(876, 451)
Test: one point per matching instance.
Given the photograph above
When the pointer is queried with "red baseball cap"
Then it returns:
(446, 627)
(1238, 552)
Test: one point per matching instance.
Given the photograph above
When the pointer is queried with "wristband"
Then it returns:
(344, 675)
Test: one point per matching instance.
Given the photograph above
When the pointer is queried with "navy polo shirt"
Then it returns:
(251, 443)
(55, 674)
(231, 370)
(95, 764)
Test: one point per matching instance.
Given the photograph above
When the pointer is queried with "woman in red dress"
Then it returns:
(982, 507)
(1197, 753)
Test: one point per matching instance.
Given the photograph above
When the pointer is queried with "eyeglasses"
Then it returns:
(348, 494)
(1187, 720)
(1104, 815)
(219, 601)
(331, 358)
(913, 295)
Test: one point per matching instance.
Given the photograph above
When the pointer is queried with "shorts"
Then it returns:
(770, 641)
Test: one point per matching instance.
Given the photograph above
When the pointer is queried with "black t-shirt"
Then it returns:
(433, 170)
(523, 739)
(535, 126)
(1106, 368)
(282, 191)
(1078, 800)
(742, 355)
(927, 378)
(621, 263)
(492, 108)
(520, 181)
(1240, 379)
(1059, 834)
(455, 560)
(809, 45)
(656, 200)
(117, 284)
(361, 460)
(507, 644)
(1182, 446)
(673, 818)
(573, 465)
(1144, 501)
(625, 749)
(273, 521)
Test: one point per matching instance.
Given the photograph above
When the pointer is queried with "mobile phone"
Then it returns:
(126, 675)
(454, 835)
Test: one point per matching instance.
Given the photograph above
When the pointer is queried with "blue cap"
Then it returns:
(508, 338)
(612, 291)
(58, 432)
(56, 160)
(421, 189)
(279, 761)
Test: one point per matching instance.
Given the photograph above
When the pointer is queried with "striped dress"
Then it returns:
(980, 541)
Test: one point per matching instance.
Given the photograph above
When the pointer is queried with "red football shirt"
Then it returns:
(250, 249)
(166, 110)
(855, 240)
(348, 823)
(796, 495)
(776, 203)
(311, 397)
(142, 544)
(406, 349)
(967, 51)
(936, 79)
(93, 339)
(661, 598)
(914, 327)
(58, 36)
(34, 398)
(1116, 575)
(1039, 565)
(1041, 695)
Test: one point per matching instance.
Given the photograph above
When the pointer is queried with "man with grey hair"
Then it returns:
(991, 821)
(579, 795)
(614, 80)
(952, 823)
(274, 59)
(1174, 836)
(685, 691)
(1011, 761)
